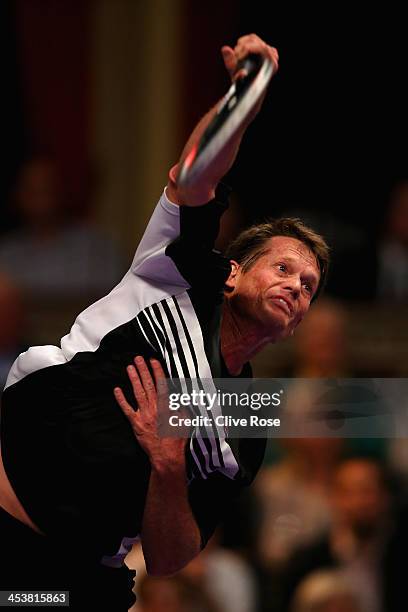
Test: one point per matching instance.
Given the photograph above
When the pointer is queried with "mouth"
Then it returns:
(284, 304)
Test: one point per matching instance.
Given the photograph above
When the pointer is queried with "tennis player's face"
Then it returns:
(276, 291)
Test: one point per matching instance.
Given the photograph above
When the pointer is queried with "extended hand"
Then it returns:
(162, 452)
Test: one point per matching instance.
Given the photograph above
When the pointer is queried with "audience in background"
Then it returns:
(392, 282)
(321, 342)
(226, 576)
(325, 591)
(299, 482)
(174, 594)
(363, 540)
(293, 497)
(294, 509)
(52, 254)
(222, 578)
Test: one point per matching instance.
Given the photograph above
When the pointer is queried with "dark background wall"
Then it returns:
(14, 127)
(334, 132)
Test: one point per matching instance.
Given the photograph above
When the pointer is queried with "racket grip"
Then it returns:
(250, 63)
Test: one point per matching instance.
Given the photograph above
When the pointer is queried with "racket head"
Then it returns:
(232, 111)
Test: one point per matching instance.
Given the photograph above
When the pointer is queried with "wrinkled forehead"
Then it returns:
(293, 249)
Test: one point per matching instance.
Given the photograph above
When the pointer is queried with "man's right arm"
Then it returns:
(202, 189)
(166, 225)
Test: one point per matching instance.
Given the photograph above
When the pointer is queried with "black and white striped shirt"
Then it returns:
(68, 450)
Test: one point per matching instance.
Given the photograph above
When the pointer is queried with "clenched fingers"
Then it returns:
(250, 43)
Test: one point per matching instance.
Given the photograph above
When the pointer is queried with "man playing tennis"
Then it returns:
(82, 480)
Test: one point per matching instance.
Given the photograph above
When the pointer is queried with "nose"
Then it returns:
(293, 285)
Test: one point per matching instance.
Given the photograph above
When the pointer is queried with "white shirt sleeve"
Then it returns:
(150, 260)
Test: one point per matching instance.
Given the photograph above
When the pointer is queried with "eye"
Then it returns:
(308, 288)
(282, 267)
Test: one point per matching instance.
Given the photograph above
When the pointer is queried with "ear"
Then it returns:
(232, 279)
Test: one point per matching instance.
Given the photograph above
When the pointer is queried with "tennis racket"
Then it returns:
(233, 109)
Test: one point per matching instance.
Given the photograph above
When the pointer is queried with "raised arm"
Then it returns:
(203, 188)
(171, 221)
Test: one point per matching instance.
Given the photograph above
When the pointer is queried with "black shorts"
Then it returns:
(30, 561)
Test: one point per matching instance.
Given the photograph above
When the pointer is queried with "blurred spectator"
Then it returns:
(226, 576)
(363, 540)
(51, 254)
(223, 577)
(174, 594)
(294, 509)
(325, 592)
(293, 495)
(294, 498)
(11, 326)
(322, 346)
(321, 342)
(393, 249)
